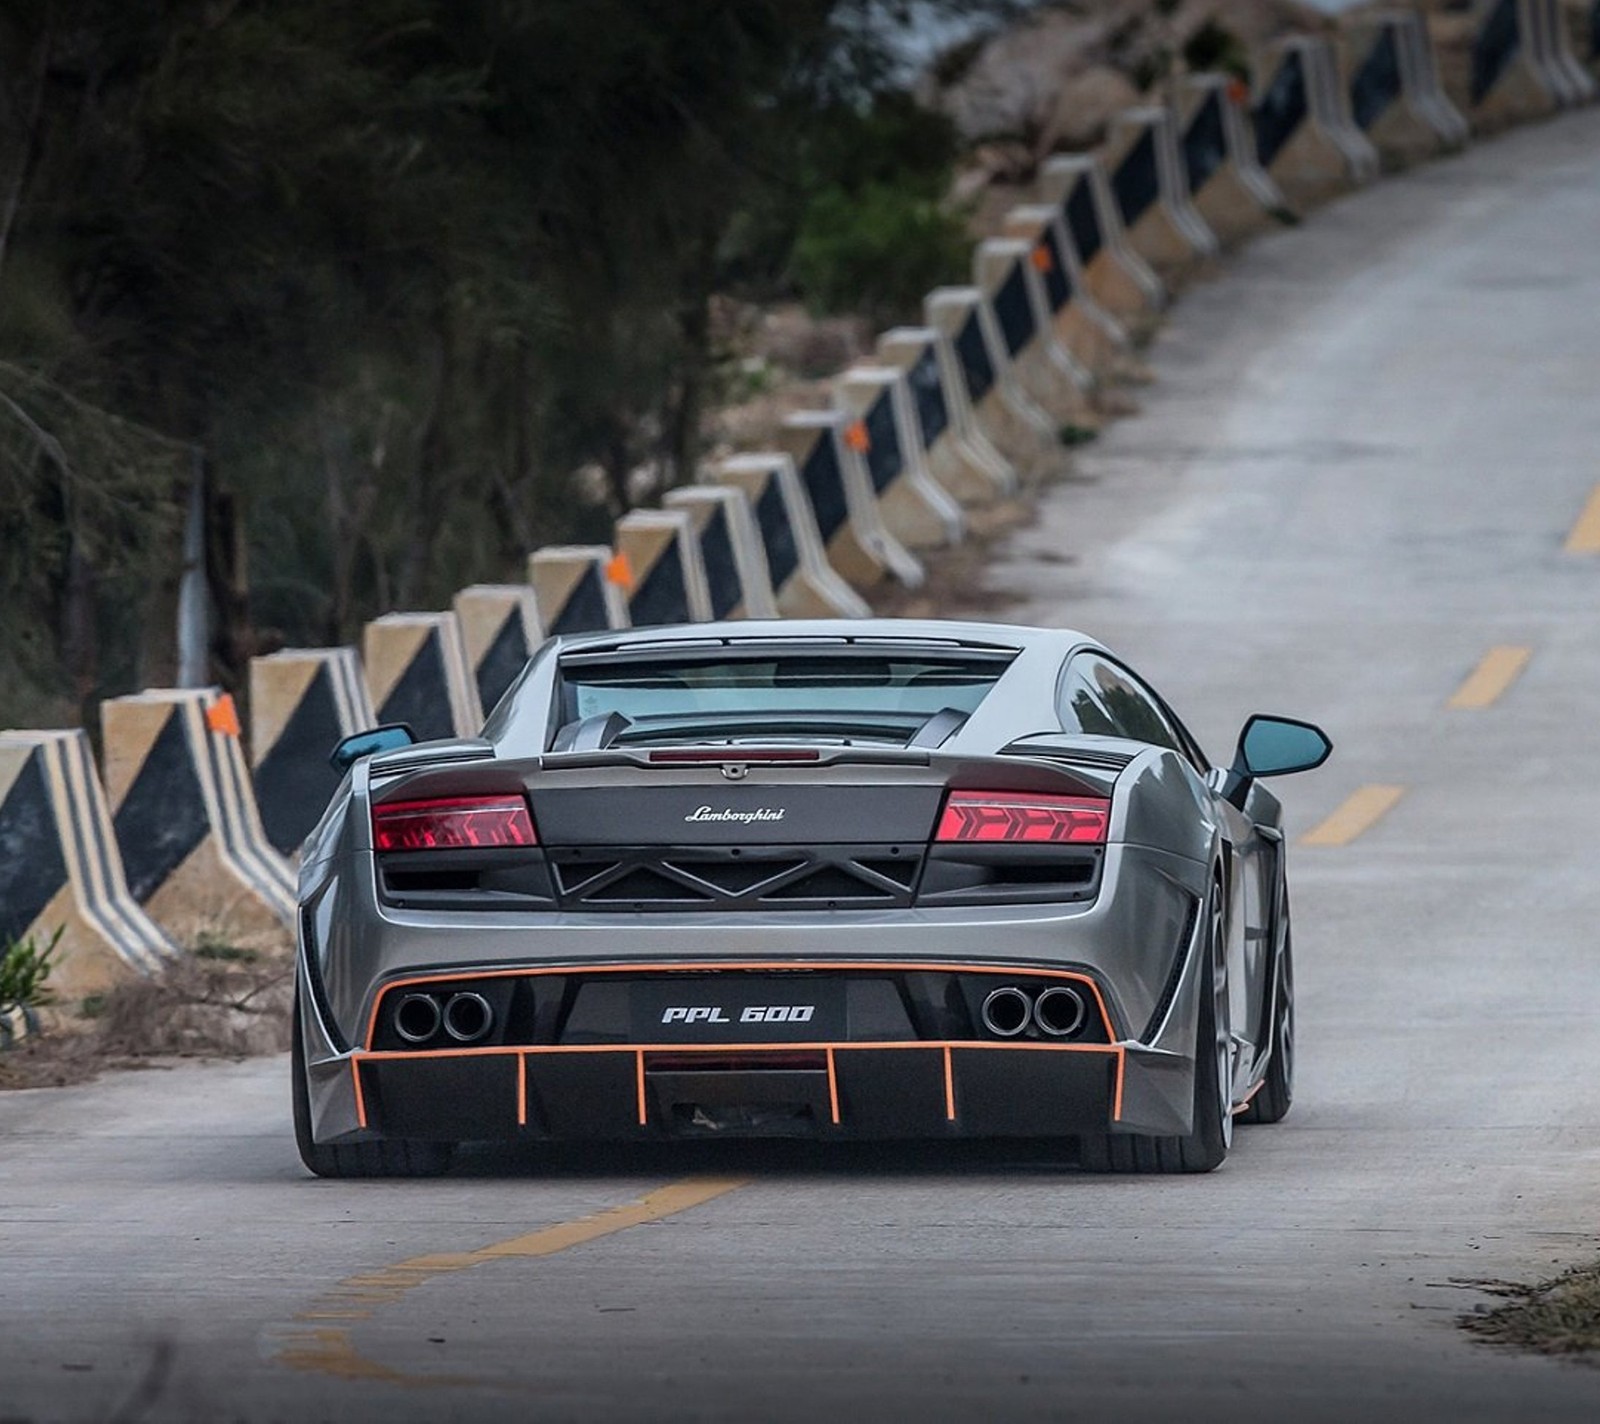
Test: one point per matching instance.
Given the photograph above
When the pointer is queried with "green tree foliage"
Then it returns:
(391, 272)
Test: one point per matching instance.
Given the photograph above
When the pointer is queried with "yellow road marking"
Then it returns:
(317, 1348)
(1361, 811)
(1585, 535)
(1499, 669)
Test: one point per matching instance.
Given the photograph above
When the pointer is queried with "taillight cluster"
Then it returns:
(1022, 818)
(453, 823)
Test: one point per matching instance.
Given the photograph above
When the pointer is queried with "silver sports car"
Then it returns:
(833, 879)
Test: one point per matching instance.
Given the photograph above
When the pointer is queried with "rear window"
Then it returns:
(811, 695)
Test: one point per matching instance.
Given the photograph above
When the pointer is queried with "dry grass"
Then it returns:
(218, 1002)
(1555, 1317)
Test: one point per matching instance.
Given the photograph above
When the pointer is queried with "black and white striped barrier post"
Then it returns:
(302, 702)
(914, 507)
(665, 575)
(738, 582)
(1011, 418)
(827, 448)
(500, 628)
(1392, 79)
(1304, 136)
(1572, 83)
(577, 588)
(960, 456)
(60, 868)
(1116, 276)
(1082, 325)
(193, 850)
(417, 673)
(1058, 382)
(1228, 187)
(1152, 193)
(806, 585)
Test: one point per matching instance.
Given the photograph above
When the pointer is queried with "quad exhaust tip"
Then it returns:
(468, 1017)
(1006, 1012)
(417, 1017)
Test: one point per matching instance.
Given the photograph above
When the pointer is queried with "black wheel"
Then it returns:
(389, 1158)
(1204, 1149)
(1272, 1100)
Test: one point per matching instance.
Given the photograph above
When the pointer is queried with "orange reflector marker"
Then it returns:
(856, 437)
(1042, 260)
(620, 571)
(223, 716)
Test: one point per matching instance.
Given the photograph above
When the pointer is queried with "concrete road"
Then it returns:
(1369, 445)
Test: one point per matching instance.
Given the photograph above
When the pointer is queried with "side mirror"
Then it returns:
(1276, 746)
(369, 743)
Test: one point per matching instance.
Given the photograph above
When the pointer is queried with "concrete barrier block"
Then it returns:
(1509, 82)
(914, 507)
(1057, 381)
(501, 630)
(1389, 73)
(805, 584)
(303, 701)
(576, 589)
(1152, 191)
(1305, 136)
(1572, 79)
(417, 673)
(666, 576)
(60, 868)
(184, 813)
(1116, 276)
(960, 456)
(1228, 187)
(826, 447)
(1024, 432)
(738, 580)
(1091, 333)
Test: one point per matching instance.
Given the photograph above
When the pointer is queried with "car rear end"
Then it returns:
(763, 902)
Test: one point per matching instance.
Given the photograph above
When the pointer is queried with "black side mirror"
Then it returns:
(1277, 746)
(369, 743)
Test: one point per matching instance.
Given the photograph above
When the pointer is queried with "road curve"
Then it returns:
(1356, 493)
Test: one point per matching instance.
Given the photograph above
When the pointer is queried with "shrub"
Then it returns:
(25, 968)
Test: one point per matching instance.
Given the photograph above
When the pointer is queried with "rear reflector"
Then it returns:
(454, 823)
(1023, 818)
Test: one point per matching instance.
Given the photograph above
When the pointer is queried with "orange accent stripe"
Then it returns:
(833, 1090)
(388, 1055)
(1244, 1103)
(784, 965)
(949, 1087)
(644, 1107)
(1116, 1101)
(522, 1090)
(361, 1101)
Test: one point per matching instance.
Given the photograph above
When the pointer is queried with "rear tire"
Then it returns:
(1205, 1148)
(1272, 1101)
(386, 1158)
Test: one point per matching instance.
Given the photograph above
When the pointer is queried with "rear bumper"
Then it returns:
(878, 1091)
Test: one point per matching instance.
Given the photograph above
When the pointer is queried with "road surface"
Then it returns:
(1368, 450)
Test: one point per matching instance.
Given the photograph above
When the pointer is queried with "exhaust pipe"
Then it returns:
(416, 1017)
(1006, 1011)
(468, 1017)
(1059, 1011)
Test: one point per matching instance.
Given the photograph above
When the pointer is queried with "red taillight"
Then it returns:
(1023, 818)
(453, 823)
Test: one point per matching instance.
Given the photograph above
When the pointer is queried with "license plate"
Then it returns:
(786, 1009)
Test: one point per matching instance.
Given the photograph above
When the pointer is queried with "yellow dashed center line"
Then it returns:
(313, 1346)
(1499, 669)
(1361, 811)
(1585, 535)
